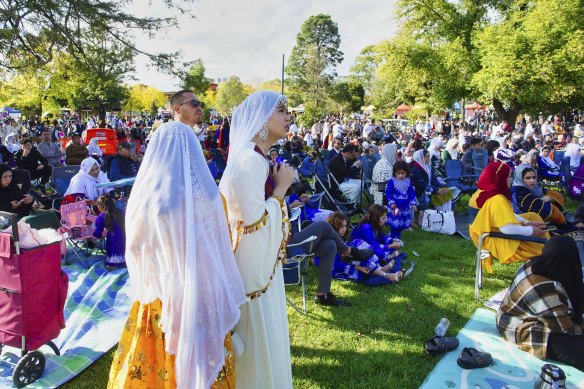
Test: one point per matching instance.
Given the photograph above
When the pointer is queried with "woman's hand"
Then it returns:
(40, 167)
(536, 224)
(392, 206)
(415, 208)
(296, 204)
(304, 198)
(538, 232)
(546, 199)
(579, 225)
(362, 269)
(15, 204)
(284, 177)
(27, 199)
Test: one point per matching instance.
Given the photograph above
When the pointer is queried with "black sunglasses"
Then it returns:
(194, 103)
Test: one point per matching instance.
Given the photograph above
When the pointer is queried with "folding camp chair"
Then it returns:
(454, 177)
(331, 200)
(61, 177)
(77, 229)
(482, 254)
(480, 159)
(296, 266)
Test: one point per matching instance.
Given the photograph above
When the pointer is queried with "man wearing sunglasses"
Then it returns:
(187, 107)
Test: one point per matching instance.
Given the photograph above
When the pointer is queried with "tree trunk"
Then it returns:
(509, 115)
(101, 113)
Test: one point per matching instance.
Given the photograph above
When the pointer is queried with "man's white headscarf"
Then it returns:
(178, 250)
(83, 182)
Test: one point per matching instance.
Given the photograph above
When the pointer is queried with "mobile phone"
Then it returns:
(550, 228)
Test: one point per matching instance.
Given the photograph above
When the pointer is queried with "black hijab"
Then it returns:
(560, 261)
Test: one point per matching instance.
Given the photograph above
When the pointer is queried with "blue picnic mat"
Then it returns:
(96, 310)
(512, 367)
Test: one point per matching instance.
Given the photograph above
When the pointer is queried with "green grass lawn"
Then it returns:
(378, 341)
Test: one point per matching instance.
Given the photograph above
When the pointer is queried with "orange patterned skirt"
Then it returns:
(141, 361)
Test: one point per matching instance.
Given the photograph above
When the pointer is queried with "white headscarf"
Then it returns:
(93, 147)
(434, 147)
(573, 151)
(85, 183)
(451, 148)
(389, 153)
(419, 159)
(248, 119)
(12, 142)
(178, 250)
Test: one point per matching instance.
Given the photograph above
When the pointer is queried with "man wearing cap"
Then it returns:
(75, 151)
(122, 165)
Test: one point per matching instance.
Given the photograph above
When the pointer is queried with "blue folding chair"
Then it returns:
(454, 177)
(480, 159)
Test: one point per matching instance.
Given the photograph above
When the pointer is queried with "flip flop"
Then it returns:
(437, 345)
(471, 358)
(409, 270)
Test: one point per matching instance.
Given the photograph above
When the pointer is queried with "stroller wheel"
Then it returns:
(28, 369)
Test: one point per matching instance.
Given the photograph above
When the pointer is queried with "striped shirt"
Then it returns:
(533, 308)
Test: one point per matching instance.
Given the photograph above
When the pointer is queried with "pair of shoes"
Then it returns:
(439, 344)
(358, 255)
(471, 358)
(331, 300)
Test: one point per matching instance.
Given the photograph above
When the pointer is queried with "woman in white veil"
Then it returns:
(382, 171)
(182, 270)
(258, 217)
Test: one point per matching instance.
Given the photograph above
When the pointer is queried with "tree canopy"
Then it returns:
(230, 94)
(194, 78)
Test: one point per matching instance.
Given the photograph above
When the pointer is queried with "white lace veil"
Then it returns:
(178, 250)
(249, 117)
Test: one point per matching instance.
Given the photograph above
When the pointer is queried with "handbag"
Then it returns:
(441, 222)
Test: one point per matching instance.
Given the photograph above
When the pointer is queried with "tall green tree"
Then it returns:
(229, 95)
(39, 29)
(365, 66)
(144, 98)
(194, 78)
(312, 64)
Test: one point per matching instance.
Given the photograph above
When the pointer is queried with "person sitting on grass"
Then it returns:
(111, 223)
(401, 199)
(370, 230)
(493, 199)
(542, 310)
(369, 271)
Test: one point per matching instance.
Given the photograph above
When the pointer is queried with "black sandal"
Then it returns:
(471, 358)
(439, 344)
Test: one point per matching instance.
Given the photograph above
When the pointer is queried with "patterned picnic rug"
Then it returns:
(96, 310)
(512, 368)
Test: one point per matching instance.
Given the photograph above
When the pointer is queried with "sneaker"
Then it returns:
(358, 255)
(330, 300)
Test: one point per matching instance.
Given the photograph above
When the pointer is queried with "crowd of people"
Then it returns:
(207, 259)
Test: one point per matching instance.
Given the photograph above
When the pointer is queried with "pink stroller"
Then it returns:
(33, 290)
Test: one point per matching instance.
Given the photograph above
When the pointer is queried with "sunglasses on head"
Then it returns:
(194, 103)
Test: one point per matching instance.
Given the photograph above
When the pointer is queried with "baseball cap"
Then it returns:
(124, 145)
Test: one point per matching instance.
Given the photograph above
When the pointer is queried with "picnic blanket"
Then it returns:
(512, 367)
(96, 310)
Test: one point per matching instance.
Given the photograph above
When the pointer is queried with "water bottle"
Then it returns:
(551, 377)
(442, 327)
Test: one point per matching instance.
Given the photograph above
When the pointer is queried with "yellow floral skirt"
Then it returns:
(141, 361)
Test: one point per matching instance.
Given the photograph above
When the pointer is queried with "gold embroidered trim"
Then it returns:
(281, 251)
(257, 225)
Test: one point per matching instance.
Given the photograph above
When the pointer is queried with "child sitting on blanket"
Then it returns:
(111, 221)
(370, 230)
(371, 271)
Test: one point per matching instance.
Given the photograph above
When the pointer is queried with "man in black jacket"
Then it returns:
(122, 165)
(28, 158)
(347, 169)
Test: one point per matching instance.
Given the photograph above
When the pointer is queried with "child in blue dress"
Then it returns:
(111, 220)
(401, 199)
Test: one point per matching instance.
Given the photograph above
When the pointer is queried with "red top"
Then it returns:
(270, 182)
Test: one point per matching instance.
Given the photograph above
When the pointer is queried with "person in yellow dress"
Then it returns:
(183, 275)
(496, 215)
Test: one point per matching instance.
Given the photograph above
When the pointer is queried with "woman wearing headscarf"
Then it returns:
(427, 186)
(12, 198)
(94, 150)
(528, 196)
(542, 310)
(573, 151)
(382, 172)
(435, 149)
(496, 215)
(547, 166)
(254, 191)
(84, 184)
(450, 151)
(12, 143)
(183, 275)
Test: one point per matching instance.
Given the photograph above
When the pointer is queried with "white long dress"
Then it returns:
(260, 228)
